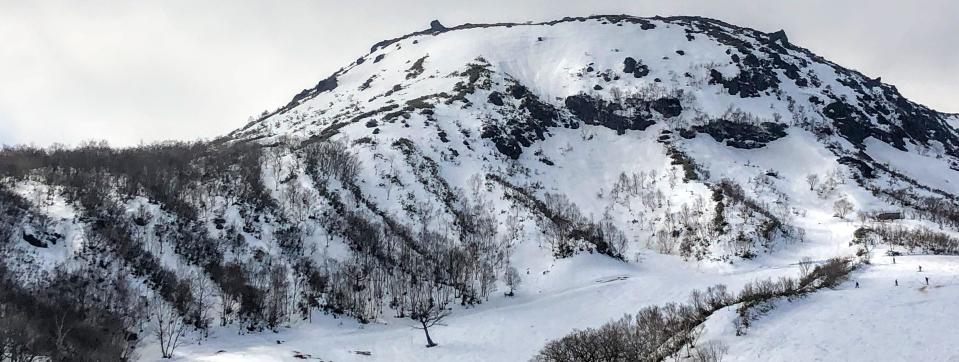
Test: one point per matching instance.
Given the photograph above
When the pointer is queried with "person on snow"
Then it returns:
(857, 284)
(920, 268)
(927, 280)
(897, 282)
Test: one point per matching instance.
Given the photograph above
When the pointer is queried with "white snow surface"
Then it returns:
(878, 321)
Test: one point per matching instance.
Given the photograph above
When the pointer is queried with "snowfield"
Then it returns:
(584, 291)
(878, 321)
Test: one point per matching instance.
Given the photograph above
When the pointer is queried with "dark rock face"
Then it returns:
(629, 65)
(634, 67)
(532, 120)
(436, 26)
(857, 164)
(739, 135)
(916, 123)
(779, 36)
(594, 111)
(327, 84)
(496, 99)
(33, 240)
(747, 84)
(517, 91)
(668, 107)
(846, 119)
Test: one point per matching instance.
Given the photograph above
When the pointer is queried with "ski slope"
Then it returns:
(878, 321)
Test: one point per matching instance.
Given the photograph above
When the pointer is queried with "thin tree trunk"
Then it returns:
(429, 341)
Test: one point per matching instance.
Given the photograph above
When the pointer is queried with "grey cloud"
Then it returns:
(132, 71)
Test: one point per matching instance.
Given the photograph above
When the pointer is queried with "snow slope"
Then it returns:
(879, 321)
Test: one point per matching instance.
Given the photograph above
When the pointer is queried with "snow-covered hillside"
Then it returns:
(529, 179)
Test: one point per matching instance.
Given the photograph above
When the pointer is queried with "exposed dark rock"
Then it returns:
(33, 240)
(535, 119)
(779, 36)
(327, 84)
(598, 112)
(668, 107)
(517, 91)
(740, 135)
(436, 26)
(857, 164)
(416, 69)
(496, 99)
(637, 68)
(629, 65)
(750, 82)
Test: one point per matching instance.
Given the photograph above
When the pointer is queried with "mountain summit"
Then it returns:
(689, 71)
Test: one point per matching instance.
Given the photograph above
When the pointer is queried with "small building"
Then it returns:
(887, 216)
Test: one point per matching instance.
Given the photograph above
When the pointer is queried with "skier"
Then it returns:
(893, 260)
(927, 280)
(857, 284)
(920, 268)
(897, 282)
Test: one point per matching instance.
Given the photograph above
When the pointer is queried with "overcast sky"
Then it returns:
(131, 71)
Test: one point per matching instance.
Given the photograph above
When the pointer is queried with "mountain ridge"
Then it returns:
(842, 114)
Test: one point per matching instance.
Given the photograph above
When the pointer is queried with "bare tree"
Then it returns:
(168, 326)
(429, 311)
(512, 278)
(62, 328)
(202, 289)
(805, 266)
(813, 180)
(712, 351)
(842, 207)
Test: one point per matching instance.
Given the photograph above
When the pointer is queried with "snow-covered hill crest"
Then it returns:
(695, 70)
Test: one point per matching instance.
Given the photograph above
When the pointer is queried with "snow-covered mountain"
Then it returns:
(530, 179)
